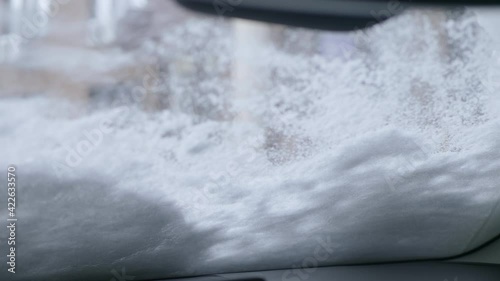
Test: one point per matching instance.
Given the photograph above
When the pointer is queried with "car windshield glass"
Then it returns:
(158, 142)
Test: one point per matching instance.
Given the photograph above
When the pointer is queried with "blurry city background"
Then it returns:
(159, 56)
(88, 50)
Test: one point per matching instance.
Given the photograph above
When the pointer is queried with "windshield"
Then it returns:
(155, 142)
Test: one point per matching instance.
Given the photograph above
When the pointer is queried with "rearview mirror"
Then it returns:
(339, 15)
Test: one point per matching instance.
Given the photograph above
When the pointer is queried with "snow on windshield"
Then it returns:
(244, 146)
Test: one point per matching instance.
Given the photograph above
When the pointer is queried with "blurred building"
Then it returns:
(63, 47)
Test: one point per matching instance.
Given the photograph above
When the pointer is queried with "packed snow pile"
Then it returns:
(387, 151)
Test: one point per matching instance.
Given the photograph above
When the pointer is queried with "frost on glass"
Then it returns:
(256, 144)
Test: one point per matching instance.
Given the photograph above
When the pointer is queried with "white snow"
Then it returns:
(389, 153)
